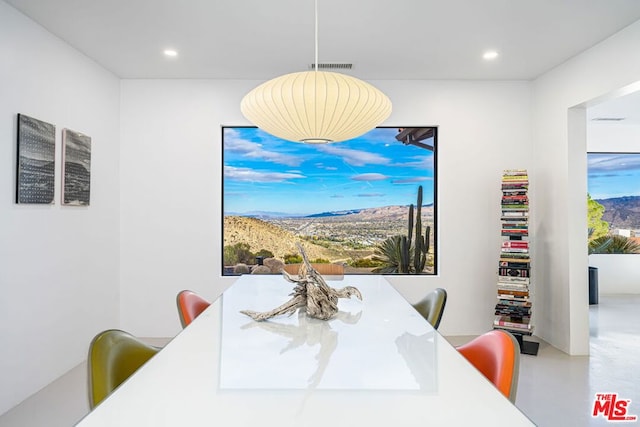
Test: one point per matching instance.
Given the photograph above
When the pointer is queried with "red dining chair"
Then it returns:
(496, 354)
(190, 306)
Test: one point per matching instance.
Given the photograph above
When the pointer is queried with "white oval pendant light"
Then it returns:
(316, 107)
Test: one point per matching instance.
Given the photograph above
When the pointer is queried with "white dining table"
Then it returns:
(377, 362)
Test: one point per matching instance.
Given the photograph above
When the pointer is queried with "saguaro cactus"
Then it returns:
(404, 254)
(421, 244)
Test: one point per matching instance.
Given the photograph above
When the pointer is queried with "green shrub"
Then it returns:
(229, 255)
(388, 254)
(597, 227)
(613, 244)
(292, 259)
(365, 263)
(238, 253)
(264, 253)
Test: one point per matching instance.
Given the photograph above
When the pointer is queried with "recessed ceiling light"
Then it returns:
(170, 52)
(490, 54)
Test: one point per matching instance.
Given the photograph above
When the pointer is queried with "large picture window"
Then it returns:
(614, 202)
(345, 202)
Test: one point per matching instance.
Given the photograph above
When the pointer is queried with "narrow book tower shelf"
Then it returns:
(513, 310)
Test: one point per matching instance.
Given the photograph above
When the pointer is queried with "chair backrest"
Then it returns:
(497, 355)
(431, 307)
(114, 355)
(190, 306)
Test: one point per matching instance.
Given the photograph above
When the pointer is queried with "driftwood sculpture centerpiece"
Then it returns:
(310, 292)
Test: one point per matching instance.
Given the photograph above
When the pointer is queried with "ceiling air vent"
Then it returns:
(608, 119)
(331, 66)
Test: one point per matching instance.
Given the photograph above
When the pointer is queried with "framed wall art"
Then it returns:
(76, 168)
(345, 202)
(35, 182)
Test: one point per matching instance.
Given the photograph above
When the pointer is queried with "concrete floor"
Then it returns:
(559, 390)
(554, 389)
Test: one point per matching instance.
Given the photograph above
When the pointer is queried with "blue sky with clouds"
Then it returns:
(613, 175)
(264, 173)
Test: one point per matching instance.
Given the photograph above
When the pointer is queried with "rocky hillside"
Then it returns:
(391, 213)
(622, 212)
(259, 235)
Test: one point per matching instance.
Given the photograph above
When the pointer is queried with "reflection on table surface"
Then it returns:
(361, 348)
(377, 362)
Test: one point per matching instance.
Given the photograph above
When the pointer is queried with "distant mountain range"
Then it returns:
(262, 214)
(335, 213)
(622, 212)
(363, 211)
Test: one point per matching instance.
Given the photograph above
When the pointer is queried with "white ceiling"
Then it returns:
(384, 39)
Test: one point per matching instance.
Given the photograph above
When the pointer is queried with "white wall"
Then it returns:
(171, 190)
(58, 265)
(609, 137)
(560, 182)
(617, 274)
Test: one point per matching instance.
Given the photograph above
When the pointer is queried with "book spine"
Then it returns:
(512, 303)
(510, 264)
(514, 293)
(500, 322)
(514, 272)
(515, 250)
(516, 244)
(505, 297)
(507, 279)
(512, 287)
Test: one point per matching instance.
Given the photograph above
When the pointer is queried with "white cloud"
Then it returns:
(420, 162)
(411, 180)
(613, 163)
(251, 175)
(254, 150)
(354, 157)
(370, 177)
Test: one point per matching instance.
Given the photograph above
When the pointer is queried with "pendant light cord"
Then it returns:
(316, 25)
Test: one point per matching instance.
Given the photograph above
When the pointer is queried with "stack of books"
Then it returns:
(513, 310)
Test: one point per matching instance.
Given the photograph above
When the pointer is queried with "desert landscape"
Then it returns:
(339, 237)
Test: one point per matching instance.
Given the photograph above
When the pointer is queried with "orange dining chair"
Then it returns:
(431, 307)
(114, 356)
(190, 306)
(496, 354)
